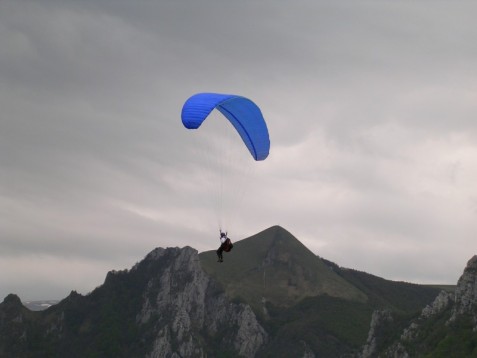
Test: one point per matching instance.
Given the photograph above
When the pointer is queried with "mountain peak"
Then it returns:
(12, 300)
(274, 266)
(12, 313)
(277, 232)
(160, 252)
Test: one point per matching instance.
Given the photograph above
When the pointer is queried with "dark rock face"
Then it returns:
(12, 310)
(12, 325)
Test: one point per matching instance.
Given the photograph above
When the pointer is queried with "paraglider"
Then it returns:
(225, 245)
(245, 117)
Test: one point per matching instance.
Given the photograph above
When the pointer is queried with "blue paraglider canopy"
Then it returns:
(244, 115)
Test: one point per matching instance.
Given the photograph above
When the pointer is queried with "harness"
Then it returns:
(227, 245)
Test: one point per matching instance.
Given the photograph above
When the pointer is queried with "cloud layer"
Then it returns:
(371, 109)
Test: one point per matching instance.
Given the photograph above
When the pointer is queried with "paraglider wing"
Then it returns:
(244, 115)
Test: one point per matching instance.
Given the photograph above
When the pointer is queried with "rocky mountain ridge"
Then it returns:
(270, 298)
(165, 306)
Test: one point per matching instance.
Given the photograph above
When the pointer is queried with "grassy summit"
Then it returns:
(273, 266)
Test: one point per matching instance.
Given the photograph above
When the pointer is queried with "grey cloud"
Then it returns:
(370, 107)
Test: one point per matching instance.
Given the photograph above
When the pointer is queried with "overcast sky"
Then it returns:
(371, 108)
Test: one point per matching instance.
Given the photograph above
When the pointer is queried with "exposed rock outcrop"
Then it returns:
(187, 307)
(440, 304)
(466, 293)
(380, 320)
(448, 314)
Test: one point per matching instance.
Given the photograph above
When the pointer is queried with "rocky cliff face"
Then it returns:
(165, 306)
(185, 307)
(380, 321)
(466, 293)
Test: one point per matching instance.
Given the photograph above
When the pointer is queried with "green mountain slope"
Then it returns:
(273, 266)
(327, 326)
(306, 303)
(402, 297)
